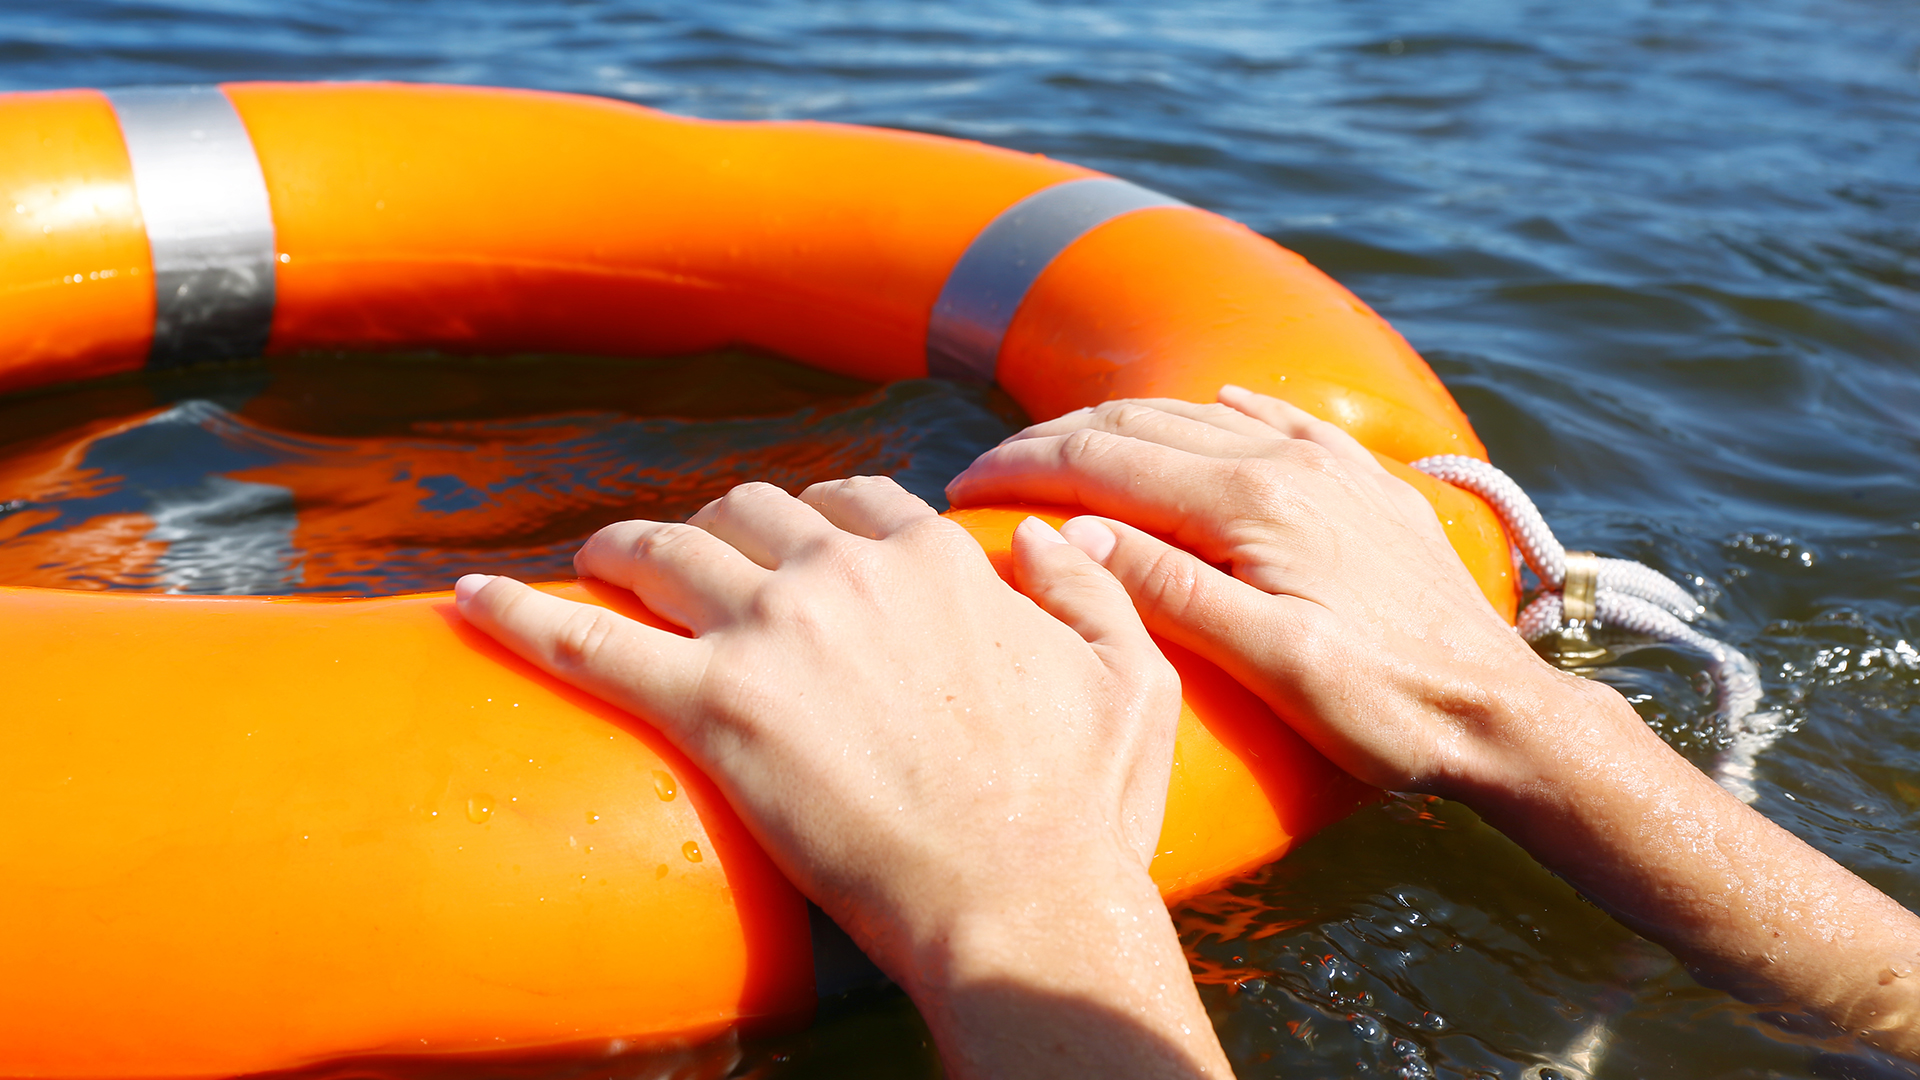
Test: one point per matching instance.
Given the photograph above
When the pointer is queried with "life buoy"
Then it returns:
(248, 834)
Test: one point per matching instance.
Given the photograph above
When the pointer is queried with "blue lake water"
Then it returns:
(1667, 256)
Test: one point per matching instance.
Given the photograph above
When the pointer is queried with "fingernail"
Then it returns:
(1232, 390)
(1090, 535)
(469, 584)
(1047, 532)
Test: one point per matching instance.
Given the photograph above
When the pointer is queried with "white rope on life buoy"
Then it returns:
(1579, 590)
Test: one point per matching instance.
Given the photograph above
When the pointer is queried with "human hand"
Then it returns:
(971, 782)
(1341, 602)
(1343, 605)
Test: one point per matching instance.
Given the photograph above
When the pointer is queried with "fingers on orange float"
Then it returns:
(1297, 423)
(684, 573)
(1159, 488)
(1076, 590)
(1210, 430)
(638, 667)
(1220, 416)
(1181, 597)
(869, 506)
(764, 523)
(1091, 535)
(1300, 424)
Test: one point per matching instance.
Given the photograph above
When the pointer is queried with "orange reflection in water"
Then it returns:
(102, 551)
(353, 474)
(109, 551)
(375, 511)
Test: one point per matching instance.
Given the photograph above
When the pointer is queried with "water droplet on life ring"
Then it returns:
(479, 809)
(691, 850)
(663, 786)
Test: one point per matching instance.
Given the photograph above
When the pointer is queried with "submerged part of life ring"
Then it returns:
(251, 834)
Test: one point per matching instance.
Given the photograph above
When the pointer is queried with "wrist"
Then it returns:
(1079, 973)
(1571, 773)
(1538, 738)
(1039, 926)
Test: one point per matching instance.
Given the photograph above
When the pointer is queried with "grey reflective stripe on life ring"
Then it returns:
(209, 224)
(986, 286)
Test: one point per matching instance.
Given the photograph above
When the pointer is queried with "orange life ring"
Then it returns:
(249, 834)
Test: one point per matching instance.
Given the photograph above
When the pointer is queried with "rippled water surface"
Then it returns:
(369, 475)
(1667, 255)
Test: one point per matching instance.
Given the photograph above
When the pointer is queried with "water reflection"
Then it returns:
(286, 478)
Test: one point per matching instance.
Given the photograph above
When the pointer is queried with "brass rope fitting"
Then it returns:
(1576, 589)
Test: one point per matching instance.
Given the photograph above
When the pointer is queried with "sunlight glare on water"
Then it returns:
(1666, 255)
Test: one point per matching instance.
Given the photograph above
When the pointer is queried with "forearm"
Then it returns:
(1328, 587)
(1082, 978)
(1597, 797)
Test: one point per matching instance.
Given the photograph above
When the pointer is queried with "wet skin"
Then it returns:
(972, 782)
